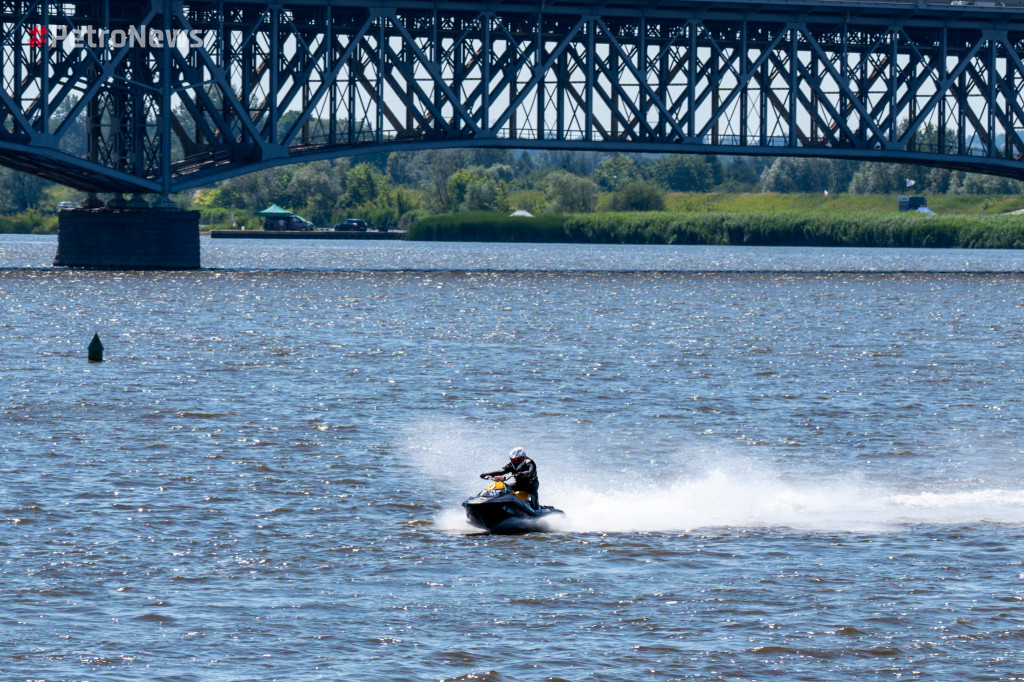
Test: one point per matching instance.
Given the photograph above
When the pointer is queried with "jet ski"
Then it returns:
(498, 509)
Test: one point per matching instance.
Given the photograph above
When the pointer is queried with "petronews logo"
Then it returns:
(134, 36)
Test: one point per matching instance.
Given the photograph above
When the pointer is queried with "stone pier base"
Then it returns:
(128, 239)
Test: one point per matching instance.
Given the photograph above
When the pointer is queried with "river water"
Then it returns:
(796, 464)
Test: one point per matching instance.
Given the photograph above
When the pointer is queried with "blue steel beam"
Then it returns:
(251, 84)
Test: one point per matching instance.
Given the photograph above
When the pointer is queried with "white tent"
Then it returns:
(925, 209)
(522, 214)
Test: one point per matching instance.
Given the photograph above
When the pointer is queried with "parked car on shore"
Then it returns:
(66, 205)
(293, 223)
(352, 225)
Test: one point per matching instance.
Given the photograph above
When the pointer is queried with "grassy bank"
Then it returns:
(799, 228)
(882, 203)
(28, 222)
(483, 226)
(778, 228)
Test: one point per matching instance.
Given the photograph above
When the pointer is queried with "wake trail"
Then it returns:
(722, 499)
(691, 490)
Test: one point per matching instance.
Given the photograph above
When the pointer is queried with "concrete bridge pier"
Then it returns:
(128, 235)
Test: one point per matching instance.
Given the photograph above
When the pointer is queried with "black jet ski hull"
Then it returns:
(508, 514)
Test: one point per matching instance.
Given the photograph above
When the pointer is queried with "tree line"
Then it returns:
(397, 189)
(400, 188)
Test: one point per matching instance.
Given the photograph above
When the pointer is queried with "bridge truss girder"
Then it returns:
(269, 84)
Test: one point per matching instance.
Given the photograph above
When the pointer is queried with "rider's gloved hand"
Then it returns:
(483, 475)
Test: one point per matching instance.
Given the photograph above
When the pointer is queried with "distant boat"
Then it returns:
(522, 214)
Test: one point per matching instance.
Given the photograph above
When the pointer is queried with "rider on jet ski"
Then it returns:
(525, 471)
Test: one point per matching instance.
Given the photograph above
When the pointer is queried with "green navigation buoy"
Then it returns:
(95, 349)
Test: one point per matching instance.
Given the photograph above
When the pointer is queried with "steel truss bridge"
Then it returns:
(94, 98)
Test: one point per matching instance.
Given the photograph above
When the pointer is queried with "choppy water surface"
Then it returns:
(775, 463)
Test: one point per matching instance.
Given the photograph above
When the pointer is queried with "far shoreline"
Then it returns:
(776, 228)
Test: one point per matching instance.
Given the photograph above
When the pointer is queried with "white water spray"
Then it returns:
(722, 498)
(606, 492)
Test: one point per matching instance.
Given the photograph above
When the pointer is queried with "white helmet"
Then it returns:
(517, 455)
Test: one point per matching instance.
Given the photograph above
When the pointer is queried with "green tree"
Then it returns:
(458, 183)
(434, 168)
(524, 163)
(687, 173)
(363, 184)
(617, 171)
(485, 195)
(392, 207)
(21, 190)
(936, 180)
(879, 178)
(638, 195)
(370, 195)
(315, 189)
(743, 173)
(486, 158)
(499, 172)
(255, 191)
(402, 167)
(791, 174)
(577, 163)
(977, 183)
(568, 193)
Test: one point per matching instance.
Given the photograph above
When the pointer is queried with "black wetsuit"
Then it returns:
(526, 478)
